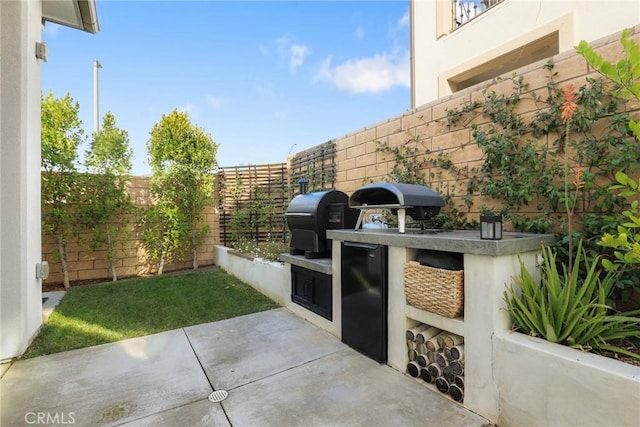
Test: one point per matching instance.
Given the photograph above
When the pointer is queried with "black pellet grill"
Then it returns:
(310, 215)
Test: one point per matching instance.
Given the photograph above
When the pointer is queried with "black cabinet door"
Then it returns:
(312, 290)
(364, 299)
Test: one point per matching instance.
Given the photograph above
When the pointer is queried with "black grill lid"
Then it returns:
(311, 204)
(395, 195)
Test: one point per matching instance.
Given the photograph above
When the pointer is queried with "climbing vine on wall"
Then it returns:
(523, 159)
(409, 162)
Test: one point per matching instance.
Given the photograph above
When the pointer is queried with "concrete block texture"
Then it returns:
(86, 264)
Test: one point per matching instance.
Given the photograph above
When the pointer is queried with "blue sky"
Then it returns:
(265, 79)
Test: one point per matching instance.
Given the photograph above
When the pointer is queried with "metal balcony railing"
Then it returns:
(466, 10)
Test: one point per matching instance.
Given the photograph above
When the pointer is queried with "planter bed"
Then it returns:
(542, 383)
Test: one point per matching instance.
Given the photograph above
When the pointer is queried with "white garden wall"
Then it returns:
(272, 279)
(545, 384)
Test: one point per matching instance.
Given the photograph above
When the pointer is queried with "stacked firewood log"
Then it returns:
(437, 357)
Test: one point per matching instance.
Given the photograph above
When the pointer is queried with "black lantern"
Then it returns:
(491, 227)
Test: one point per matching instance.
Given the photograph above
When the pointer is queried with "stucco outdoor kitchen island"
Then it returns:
(489, 266)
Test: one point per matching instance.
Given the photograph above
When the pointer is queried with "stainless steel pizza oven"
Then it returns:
(310, 215)
(417, 201)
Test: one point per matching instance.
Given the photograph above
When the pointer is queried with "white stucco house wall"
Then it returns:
(21, 25)
(458, 43)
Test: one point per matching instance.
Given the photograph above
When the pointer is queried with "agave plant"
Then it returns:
(567, 310)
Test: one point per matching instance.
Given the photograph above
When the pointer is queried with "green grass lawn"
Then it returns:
(109, 312)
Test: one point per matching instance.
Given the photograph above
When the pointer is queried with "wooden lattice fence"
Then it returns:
(252, 202)
(317, 165)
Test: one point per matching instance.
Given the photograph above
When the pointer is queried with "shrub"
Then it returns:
(269, 250)
(568, 310)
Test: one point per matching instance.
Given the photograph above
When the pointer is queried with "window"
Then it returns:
(536, 50)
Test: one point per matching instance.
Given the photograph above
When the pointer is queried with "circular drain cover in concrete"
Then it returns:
(218, 396)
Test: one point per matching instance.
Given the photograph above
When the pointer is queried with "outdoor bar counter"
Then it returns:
(489, 266)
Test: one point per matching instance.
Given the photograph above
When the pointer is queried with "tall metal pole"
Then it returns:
(96, 115)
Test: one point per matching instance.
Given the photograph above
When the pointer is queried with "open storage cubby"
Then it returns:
(426, 310)
(435, 356)
(434, 282)
(455, 326)
(438, 363)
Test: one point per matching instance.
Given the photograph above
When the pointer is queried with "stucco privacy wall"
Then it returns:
(85, 264)
(358, 163)
(20, 290)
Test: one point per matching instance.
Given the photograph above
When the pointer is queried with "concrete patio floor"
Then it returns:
(279, 370)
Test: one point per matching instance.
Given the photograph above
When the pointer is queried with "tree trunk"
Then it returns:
(413, 369)
(161, 264)
(62, 250)
(411, 333)
(456, 352)
(426, 375)
(195, 259)
(442, 385)
(433, 343)
(112, 266)
(434, 370)
(423, 360)
(449, 340)
(456, 368)
(426, 334)
(456, 393)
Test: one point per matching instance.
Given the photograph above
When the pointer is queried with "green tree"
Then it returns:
(183, 159)
(625, 75)
(109, 161)
(61, 136)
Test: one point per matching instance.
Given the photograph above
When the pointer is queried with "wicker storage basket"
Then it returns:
(434, 289)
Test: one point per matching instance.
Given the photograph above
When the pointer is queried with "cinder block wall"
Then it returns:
(85, 264)
(358, 163)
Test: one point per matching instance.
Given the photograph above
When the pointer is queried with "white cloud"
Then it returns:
(375, 74)
(297, 54)
(293, 53)
(359, 33)
(217, 101)
(404, 21)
